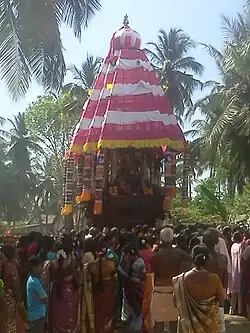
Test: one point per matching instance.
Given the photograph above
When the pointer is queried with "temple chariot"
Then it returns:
(121, 163)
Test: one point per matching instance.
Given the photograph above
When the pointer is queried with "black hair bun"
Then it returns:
(200, 255)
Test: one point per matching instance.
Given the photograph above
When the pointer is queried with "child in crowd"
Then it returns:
(36, 296)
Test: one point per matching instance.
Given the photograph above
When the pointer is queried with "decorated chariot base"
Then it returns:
(121, 163)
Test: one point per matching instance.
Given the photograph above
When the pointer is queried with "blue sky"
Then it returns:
(201, 19)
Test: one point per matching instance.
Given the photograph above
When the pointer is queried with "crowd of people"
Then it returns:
(144, 280)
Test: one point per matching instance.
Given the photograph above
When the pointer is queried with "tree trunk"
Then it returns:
(190, 190)
(46, 208)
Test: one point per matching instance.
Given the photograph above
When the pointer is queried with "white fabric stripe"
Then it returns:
(126, 33)
(128, 64)
(121, 37)
(127, 118)
(120, 89)
(133, 40)
(119, 33)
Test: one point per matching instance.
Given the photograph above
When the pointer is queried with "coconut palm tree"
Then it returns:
(83, 80)
(175, 68)
(86, 75)
(30, 41)
(20, 144)
(223, 136)
(232, 128)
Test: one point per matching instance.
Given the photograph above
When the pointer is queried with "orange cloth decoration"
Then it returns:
(86, 196)
(98, 208)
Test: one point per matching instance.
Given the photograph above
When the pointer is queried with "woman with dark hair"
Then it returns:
(35, 243)
(62, 283)
(123, 240)
(89, 250)
(199, 297)
(97, 296)
(132, 272)
(46, 253)
(181, 242)
(194, 241)
(145, 252)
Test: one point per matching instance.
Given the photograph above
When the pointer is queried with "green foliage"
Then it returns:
(241, 204)
(49, 125)
(205, 206)
(31, 154)
(206, 201)
(32, 151)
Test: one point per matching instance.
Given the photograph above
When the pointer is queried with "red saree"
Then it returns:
(62, 310)
(104, 306)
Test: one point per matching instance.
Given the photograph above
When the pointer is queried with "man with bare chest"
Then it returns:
(167, 263)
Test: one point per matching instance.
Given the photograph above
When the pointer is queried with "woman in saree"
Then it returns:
(62, 284)
(85, 323)
(145, 252)
(11, 320)
(199, 297)
(132, 274)
(97, 299)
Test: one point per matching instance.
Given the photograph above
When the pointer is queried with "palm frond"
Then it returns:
(234, 29)
(216, 204)
(44, 50)
(87, 74)
(157, 55)
(13, 62)
(191, 133)
(29, 47)
(77, 13)
(223, 121)
(211, 84)
(189, 64)
(213, 52)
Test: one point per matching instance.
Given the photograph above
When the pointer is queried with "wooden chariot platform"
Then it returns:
(128, 210)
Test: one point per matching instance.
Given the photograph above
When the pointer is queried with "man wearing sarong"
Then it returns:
(167, 263)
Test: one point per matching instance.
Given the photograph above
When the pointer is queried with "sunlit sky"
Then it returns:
(201, 19)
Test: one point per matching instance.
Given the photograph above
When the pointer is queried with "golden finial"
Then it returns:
(126, 21)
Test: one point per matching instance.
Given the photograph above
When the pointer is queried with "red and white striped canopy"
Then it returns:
(126, 38)
(127, 106)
